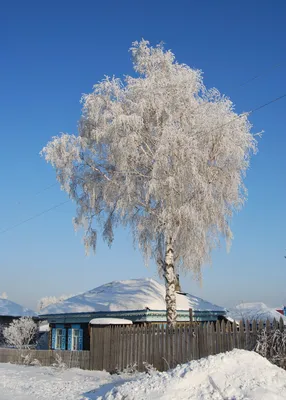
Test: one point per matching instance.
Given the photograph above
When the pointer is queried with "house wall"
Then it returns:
(139, 317)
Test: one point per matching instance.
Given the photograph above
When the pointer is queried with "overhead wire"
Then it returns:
(33, 217)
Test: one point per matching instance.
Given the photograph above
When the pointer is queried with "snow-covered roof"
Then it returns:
(129, 295)
(11, 309)
(254, 311)
(110, 321)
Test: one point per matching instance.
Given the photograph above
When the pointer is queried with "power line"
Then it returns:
(247, 113)
(267, 104)
(38, 193)
(46, 188)
(246, 82)
(260, 75)
(34, 216)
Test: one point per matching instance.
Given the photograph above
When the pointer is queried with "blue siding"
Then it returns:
(80, 340)
(63, 344)
(69, 339)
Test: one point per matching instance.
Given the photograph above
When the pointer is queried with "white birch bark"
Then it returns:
(170, 284)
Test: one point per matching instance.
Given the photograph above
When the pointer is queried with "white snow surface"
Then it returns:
(110, 321)
(11, 309)
(254, 311)
(134, 294)
(236, 375)
(44, 327)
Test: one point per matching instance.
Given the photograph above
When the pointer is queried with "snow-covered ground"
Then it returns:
(35, 383)
(237, 375)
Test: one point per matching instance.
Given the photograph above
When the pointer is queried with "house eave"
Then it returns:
(134, 315)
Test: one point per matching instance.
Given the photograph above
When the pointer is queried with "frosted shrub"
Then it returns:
(130, 369)
(2, 340)
(149, 368)
(272, 345)
(59, 364)
(21, 333)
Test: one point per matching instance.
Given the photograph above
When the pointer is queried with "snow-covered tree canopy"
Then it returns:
(46, 301)
(160, 153)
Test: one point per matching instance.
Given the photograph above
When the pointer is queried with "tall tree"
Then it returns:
(162, 154)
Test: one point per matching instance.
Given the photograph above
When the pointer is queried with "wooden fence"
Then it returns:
(72, 359)
(115, 348)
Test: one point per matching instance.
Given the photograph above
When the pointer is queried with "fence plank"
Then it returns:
(79, 359)
(241, 335)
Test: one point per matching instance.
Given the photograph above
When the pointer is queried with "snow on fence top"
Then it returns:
(129, 295)
(110, 321)
(11, 309)
(254, 311)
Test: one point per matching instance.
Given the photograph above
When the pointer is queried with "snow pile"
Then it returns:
(110, 321)
(134, 294)
(11, 309)
(236, 375)
(254, 311)
(44, 326)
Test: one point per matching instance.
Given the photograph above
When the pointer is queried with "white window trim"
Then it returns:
(56, 344)
(72, 339)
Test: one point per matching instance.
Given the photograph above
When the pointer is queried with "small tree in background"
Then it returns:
(46, 301)
(21, 333)
(159, 153)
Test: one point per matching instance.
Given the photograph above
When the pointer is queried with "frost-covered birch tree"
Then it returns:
(162, 154)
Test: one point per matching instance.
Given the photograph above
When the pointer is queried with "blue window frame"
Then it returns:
(75, 338)
(59, 337)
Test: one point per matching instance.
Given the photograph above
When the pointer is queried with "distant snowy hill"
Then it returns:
(12, 309)
(135, 294)
(254, 311)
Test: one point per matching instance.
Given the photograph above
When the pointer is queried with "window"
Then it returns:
(59, 338)
(75, 339)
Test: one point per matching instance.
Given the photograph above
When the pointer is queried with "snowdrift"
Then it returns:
(236, 375)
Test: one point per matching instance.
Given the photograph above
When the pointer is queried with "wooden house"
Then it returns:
(141, 301)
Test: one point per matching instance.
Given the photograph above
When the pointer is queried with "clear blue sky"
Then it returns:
(51, 53)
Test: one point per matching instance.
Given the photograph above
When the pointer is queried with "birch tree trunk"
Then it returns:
(170, 284)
